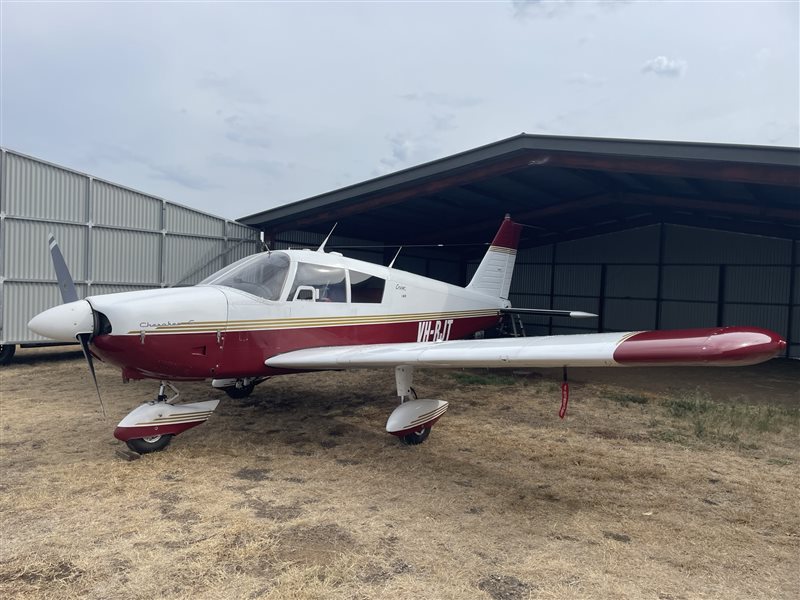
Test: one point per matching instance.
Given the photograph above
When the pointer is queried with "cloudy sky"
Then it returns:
(236, 107)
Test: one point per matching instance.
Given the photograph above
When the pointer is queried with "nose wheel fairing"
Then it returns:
(413, 419)
(160, 418)
(415, 416)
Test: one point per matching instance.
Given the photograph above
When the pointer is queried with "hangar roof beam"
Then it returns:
(559, 184)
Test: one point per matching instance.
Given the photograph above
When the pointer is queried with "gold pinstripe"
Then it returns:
(176, 418)
(198, 413)
(174, 421)
(630, 335)
(296, 323)
(430, 416)
(503, 250)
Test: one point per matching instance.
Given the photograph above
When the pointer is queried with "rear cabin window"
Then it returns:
(318, 283)
(366, 288)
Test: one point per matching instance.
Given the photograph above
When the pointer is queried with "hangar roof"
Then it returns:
(565, 188)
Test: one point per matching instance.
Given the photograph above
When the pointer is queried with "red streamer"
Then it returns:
(564, 399)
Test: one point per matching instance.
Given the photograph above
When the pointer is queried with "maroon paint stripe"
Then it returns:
(132, 433)
(242, 354)
(508, 235)
(720, 346)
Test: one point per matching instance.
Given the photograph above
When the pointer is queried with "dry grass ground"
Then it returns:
(660, 492)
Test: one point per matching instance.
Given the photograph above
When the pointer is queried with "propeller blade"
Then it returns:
(70, 294)
(65, 283)
(83, 338)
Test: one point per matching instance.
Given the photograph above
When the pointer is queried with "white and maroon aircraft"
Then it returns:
(288, 311)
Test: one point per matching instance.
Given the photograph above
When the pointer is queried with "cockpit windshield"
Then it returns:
(261, 275)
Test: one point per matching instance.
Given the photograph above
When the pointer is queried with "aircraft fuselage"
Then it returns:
(218, 331)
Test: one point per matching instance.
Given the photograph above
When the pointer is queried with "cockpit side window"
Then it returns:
(366, 288)
(262, 276)
(319, 283)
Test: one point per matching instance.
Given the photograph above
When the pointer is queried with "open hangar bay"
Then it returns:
(648, 235)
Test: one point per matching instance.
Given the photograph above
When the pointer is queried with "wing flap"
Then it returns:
(590, 350)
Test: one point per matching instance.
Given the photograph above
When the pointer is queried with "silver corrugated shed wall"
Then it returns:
(113, 239)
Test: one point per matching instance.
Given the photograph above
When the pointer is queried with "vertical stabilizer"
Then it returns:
(493, 276)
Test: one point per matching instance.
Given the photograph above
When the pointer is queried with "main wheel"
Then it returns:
(417, 437)
(153, 443)
(237, 393)
(7, 353)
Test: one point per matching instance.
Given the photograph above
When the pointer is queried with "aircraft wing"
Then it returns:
(721, 346)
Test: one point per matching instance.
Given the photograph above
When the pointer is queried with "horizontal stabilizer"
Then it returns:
(545, 312)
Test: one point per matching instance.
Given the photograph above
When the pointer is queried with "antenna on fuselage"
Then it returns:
(391, 264)
(325, 241)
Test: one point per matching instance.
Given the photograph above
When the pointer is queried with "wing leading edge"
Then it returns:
(721, 346)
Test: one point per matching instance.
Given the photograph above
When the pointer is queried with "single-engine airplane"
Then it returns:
(288, 311)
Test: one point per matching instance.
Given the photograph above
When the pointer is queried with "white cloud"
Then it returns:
(665, 67)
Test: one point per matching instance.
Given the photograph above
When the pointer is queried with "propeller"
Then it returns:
(70, 294)
(65, 283)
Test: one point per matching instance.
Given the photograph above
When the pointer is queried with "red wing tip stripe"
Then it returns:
(722, 346)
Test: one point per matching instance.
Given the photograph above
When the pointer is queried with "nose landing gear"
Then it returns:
(151, 426)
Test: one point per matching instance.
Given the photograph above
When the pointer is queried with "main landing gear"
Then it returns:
(238, 388)
(151, 426)
(413, 419)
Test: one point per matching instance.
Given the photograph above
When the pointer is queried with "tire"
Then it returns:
(7, 353)
(150, 444)
(237, 393)
(417, 437)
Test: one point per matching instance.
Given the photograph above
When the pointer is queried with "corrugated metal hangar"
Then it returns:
(648, 235)
(113, 239)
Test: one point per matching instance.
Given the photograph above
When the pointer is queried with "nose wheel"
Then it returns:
(151, 443)
(416, 437)
(151, 426)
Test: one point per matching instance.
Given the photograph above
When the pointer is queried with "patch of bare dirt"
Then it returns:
(505, 587)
